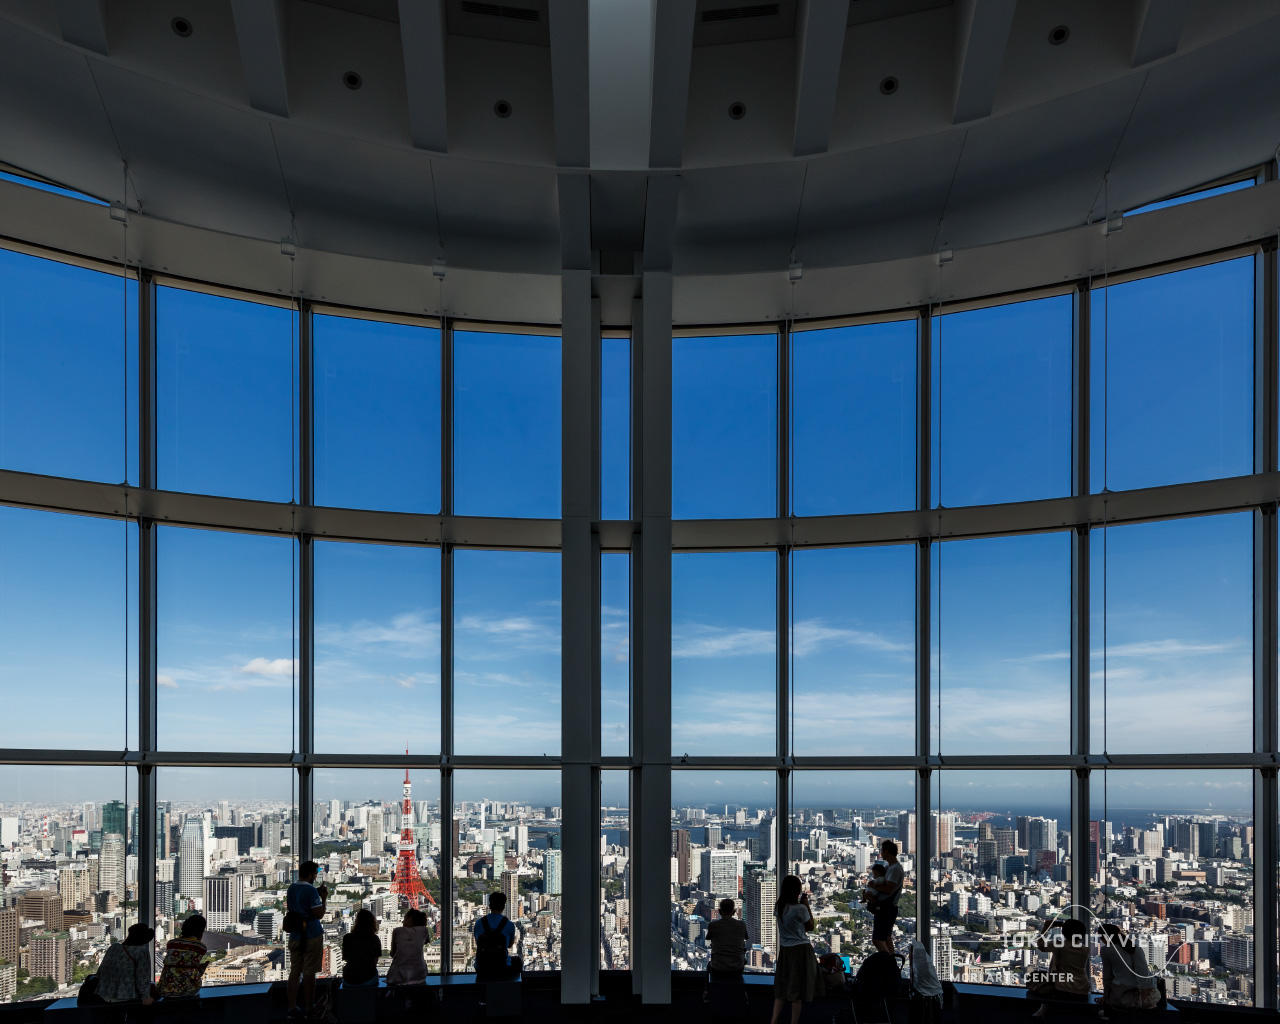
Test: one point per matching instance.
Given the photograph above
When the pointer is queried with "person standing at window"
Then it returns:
(796, 979)
(304, 906)
(885, 911)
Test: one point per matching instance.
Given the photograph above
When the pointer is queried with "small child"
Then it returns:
(868, 896)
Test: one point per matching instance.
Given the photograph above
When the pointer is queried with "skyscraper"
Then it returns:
(681, 852)
(9, 935)
(553, 864)
(49, 956)
(719, 875)
(907, 832)
(768, 848)
(759, 893)
(511, 889)
(272, 826)
(192, 859)
(42, 905)
(375, 831)
(114, 818)
(111, 867)
(944, 832)
(223, 899)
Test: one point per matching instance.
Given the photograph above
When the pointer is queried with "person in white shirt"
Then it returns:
(795, 979)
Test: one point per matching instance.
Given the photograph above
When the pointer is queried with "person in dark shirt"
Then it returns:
(360, 951)
(728, 938)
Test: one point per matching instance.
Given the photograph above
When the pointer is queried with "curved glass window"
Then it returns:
(68, 370)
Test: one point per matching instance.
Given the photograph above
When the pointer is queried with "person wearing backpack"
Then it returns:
(494, 936)
(305, 906)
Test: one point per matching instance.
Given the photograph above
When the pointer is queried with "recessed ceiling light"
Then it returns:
(502, 109)
(1058, 35)
(889, 85)
(737, 110)
(352, 79)
(181, 27)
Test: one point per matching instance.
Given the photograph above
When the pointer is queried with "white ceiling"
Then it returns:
(895, 175)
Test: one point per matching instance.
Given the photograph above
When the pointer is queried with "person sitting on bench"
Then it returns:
(728, 938)
(494, 936)
(1068, 975)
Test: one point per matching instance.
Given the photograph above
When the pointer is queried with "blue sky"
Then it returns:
(1172, 401)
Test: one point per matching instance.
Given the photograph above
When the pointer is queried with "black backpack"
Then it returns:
(880, 977)
(491, 947)
(88, 994)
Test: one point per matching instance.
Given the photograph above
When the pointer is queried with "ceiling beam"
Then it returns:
(422, 43)
(673, 22)
(570, 81)
(261, 34)
(84, 23)
(1157, 29)
(982, 34)
(820, 33)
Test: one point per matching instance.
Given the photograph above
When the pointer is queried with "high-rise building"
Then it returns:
(1042, 834)
(272, 827)
(114, 818)
(943, 957)
(193, 860)
(511, 889)
(499, 857)
(680, 848)
(111, 867)
(768, 844)
(9, 934)
(49, 956)
(714, 835)
(224, 812)
(223, 899)
(907, 832)
(8, 981)
(1005, 839)
(42, 905)
(374, 829)
(759, 894)
(554, 885)
(89, 815)
(719, 875)
(1095, 848)
(521, 839)
(73, 886)
(944, 837)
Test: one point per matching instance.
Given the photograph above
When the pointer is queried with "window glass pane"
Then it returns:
(853, 413)
(1002, 403)
(377, 414)
(1001, 869)
(839, 821)
(507, 826)
(615, 871)
(724, 649)
(362, 838)
(45, 186)
(506, 652)
(225, 396)
(615, 428)
(506, 425)
(225, 842)
(1171, 857)
(724, 427)
(615, 654)
(724, 845)
(1002, 629)
(226, 641)
(377, 648)
(853, 651)
(1172, 636)
(68, 839)
(1191, 197)
(1172, 359)
(68, 370)
(67, 630)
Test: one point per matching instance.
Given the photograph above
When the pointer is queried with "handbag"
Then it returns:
(88, 994)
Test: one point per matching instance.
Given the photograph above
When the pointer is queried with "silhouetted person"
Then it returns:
(125, 974)
(185, 959)
(1068, 973)
(408, 942)
(885, 911)
(728, 938)
(494, 936)
(1128, 982)
(306, 938)
(361, 948)
(795, 980)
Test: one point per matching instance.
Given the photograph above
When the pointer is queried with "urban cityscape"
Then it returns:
(1182, 882)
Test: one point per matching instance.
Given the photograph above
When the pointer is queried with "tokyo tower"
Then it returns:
(407, 880)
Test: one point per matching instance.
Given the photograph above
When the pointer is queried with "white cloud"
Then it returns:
(271, 667)
(809, 636)
(166, 681)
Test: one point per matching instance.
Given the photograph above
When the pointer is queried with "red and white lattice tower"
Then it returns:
(407, 881)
